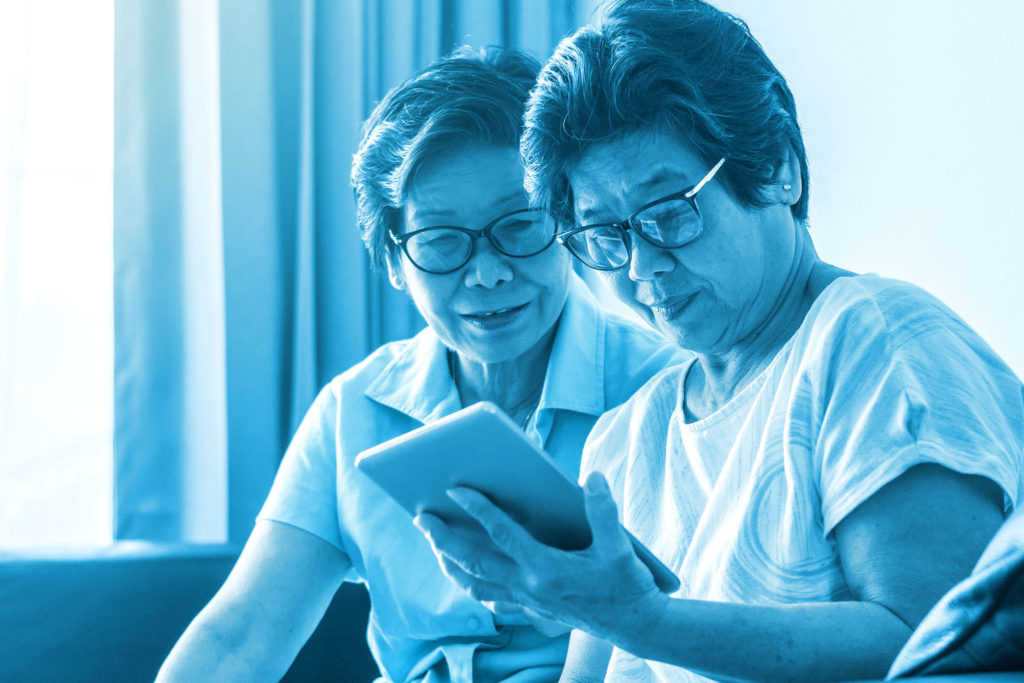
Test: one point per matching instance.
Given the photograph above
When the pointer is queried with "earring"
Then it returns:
(787, 187)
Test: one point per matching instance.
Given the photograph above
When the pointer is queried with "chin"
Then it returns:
(506, 349)
(502, 349)
(677, 336)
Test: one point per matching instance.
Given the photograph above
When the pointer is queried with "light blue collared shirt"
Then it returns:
(423, 627)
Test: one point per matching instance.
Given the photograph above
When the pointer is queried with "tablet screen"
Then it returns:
(482, 448)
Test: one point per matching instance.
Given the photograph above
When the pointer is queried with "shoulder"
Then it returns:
(867, 327)
(356, 407)
(381, 364)
(642, 420)
(892, 377)
(872, 318)
(656, 396)
(364, 373)
(872, 303)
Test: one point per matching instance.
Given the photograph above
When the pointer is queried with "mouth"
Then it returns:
(671, 308)
(494, 317)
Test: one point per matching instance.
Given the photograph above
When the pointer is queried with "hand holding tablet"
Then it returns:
(479, 447)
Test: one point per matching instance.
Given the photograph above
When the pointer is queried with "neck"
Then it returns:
(716, 378)
(514, 385)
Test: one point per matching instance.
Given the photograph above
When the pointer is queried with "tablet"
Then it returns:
(481, 447)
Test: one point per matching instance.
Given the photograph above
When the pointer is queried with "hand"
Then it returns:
(604, 589)
(549, 628)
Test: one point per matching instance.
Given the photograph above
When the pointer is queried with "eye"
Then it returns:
(524, 233)
(516, 225)
(667, 212)
(524, 222)
(438, 240)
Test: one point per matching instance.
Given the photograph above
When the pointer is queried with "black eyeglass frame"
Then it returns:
(486, 231)
(625, 226)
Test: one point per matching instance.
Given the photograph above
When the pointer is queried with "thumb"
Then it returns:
(602, 513)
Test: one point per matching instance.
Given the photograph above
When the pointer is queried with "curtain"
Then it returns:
(241, 284)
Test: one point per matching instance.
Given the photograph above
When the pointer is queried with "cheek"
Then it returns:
(548, 269)
(430, 293)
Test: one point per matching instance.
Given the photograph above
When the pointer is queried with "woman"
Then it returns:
(441, 205)
(841, 447)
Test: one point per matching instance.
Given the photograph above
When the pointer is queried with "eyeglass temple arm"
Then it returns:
(706, 179)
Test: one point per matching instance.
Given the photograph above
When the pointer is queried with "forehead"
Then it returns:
(465, 187)
(614, 178)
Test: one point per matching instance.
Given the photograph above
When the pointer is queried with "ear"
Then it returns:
(786, 186)
(395, 275)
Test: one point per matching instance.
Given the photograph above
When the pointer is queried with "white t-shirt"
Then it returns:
(879, 377)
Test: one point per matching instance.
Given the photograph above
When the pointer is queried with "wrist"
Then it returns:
(630, 628)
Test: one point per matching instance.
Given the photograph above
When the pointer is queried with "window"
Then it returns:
(56, 330)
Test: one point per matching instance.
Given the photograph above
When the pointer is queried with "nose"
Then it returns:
(487, 267)
(647, 261)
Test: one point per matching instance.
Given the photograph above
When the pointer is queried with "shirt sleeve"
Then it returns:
(304, 494)
(907, 385)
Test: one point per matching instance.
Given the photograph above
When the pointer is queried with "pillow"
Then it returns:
(978, 626)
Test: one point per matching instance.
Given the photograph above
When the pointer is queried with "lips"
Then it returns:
(494, 317)
(673, 307)
(494, 312)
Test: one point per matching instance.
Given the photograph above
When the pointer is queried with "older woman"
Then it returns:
(840, 449)
(439, 186)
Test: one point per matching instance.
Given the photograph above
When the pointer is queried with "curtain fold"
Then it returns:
(230, 316)
(147, 274)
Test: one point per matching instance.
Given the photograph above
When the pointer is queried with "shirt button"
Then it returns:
(473, 623)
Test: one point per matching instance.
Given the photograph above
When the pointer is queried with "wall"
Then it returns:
(912, 118)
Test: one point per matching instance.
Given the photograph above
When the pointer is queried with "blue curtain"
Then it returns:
(241, 285)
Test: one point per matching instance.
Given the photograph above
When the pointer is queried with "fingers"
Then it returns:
(504, 607)
(602, 513)
(508, 535)
(546, 623)
(543, 622)
(478, 589)
(610, 538)
(464, 558)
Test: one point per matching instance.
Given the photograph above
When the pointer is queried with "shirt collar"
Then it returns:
(417, 382)
(575, 376)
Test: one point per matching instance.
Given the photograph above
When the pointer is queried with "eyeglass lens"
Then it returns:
(444, 249)
(669, 224)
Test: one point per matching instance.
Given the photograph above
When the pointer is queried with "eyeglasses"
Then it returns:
(670, 222)
(444, 249)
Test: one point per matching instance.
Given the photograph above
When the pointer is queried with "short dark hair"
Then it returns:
(682, 66)
(468, 97)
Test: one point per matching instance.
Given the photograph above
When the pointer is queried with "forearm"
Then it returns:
(204, 653)
(221, 650)
(811, 641)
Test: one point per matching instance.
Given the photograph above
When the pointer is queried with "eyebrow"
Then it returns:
(443, 214)
(659, 175)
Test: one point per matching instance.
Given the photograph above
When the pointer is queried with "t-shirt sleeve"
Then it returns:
(603, 451)
(908, 387)
(304, 494)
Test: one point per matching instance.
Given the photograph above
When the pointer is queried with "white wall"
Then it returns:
(912, 114)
